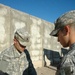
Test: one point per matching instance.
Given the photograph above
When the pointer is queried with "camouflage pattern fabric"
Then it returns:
(13, 62)
(68, 63)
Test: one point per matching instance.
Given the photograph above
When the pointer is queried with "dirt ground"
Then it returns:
(46, 71)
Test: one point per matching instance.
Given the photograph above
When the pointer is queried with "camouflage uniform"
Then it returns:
(13, 62)
(68, 62)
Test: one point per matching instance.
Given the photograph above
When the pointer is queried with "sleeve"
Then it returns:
(3, 64)
(31, 70)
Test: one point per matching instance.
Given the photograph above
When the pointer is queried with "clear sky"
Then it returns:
(48, 10)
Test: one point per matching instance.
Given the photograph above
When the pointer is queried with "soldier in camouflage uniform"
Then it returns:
(65, 31)
(14, 60)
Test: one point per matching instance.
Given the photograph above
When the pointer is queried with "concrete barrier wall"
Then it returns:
(11, 19)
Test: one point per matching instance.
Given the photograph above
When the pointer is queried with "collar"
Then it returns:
(72, 47)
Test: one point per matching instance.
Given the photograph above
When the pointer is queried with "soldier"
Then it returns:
(16, 59)
(65, 31)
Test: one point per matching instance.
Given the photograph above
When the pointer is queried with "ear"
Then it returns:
(67, 29)
(15, 41)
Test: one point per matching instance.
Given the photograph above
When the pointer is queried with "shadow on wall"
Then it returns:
(53, 56)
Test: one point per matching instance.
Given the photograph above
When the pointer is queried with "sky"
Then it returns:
(48, 10)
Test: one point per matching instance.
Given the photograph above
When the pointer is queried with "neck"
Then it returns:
(72, 40)
(19, 49)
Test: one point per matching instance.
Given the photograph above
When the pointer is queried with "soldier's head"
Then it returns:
(21, 39)
(65, 28)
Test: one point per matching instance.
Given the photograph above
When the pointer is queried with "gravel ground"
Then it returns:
(46, 71)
